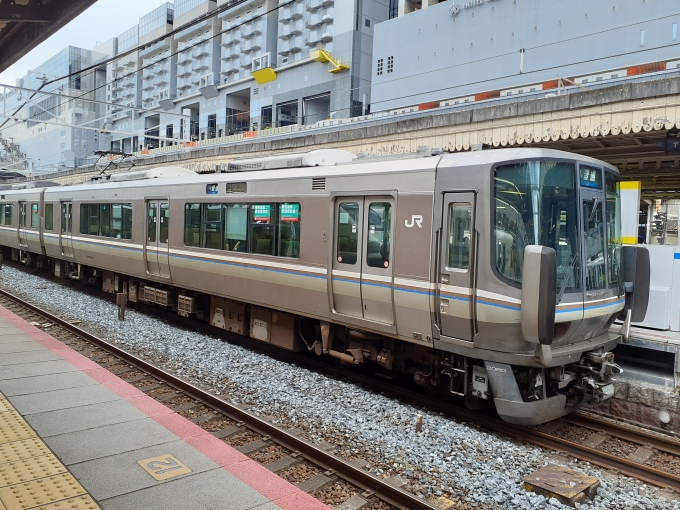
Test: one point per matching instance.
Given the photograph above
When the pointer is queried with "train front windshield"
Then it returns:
(537, 202)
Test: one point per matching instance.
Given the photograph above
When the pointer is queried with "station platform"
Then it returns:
(75, 436)
(649, 368)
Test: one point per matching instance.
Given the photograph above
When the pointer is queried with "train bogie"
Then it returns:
(420, 265)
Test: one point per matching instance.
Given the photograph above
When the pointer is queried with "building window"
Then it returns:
(390, 64)
(380, 67)
(367, 22)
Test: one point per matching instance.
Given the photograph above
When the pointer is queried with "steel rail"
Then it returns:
(370, 483)
(460, 413)
(637, 435)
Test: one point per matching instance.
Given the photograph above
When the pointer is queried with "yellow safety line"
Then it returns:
(31, 476)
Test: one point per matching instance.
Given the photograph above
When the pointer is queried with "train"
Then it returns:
(493, 276)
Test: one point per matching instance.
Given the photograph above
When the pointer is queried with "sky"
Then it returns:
(105, 19)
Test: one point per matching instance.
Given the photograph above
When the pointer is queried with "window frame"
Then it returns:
(492, 210)
(35, 224)
(450, 222)
(85, 220)
(49, 207)
(274, 223)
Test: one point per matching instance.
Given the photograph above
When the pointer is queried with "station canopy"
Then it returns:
(26, 23)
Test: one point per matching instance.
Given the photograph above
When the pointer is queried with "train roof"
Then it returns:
(397, 163)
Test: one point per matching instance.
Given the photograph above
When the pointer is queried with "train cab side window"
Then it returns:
(378, 238)
(347, 242)
(236, 227)
(49, 216)
(262, 229)
(459, 231)
(35, 215)
(192, 225)
(289, 231)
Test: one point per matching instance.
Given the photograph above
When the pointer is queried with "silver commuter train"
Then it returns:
(493, 275)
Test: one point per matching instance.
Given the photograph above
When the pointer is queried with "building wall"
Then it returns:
(506, 44)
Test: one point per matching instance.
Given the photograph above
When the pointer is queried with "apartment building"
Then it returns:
(204, 71)
(189, 71)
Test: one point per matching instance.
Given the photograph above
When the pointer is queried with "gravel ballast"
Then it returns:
(448, 458)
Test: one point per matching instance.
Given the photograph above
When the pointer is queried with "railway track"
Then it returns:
(246, 432)
(581, 435)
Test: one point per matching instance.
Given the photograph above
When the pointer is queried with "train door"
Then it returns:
(157, 233)
(596, 277)
(23, 213)
(347, 256)
(456, 267)
(362, 258)
(66, 229)
(376, 269)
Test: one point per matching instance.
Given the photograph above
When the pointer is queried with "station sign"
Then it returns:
(456, 8)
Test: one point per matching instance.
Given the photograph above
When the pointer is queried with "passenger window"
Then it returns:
(117, 220)
(211, 237)
(236, 227)
(347, 241)
(127, 221)
(35, 216)
(459, 235)
(192, 225)
(165, 222)
(6, 214)
(89, 219)
(378, 236)
(151, 222)
(289, 230)
(93, 219)
(262, 235)
(49, 216)
(105, 220)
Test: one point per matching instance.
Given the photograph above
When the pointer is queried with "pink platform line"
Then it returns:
(276, 489)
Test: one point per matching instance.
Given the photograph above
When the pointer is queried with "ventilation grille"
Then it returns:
(318, 183)
(240, 167)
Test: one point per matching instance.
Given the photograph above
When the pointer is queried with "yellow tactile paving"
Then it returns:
(30, 469)
(5, 406)
(79, 503)
(14, 431)
(31, 477)
(18, 450)
(40, 492)
(11, 418)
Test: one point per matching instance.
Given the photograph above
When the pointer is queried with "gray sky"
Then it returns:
(105, 19)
